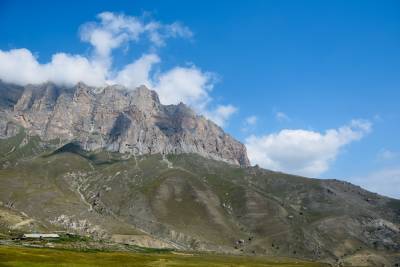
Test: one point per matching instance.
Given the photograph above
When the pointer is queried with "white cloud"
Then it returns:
(191, 86)
(20, 66)
(113, 31)
(385, 181)
(221, 114)
(158, 33)
(252, 120)
(188, 85)
(303, 152)
(138, 72)
(281, 117)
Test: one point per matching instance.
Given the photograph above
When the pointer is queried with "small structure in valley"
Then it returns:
(39, 236)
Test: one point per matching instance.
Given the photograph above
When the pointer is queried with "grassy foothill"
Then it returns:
(35, 257)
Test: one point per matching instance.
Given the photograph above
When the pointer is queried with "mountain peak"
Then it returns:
(117, 119)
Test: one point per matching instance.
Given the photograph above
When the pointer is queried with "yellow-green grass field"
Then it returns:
(26, 257)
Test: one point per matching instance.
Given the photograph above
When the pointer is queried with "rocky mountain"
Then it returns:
(115, 119)
(120, 167)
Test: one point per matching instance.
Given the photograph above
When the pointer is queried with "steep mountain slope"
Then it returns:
(66, 164)
(186, 201)
(115, 119)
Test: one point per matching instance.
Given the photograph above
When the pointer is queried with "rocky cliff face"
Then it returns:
(115, 119)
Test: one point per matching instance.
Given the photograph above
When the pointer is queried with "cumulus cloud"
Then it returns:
(21, 67)
(221, 114)
(114, 31)
(191, 86)
(188, 85)
(158, 32)
(138, 72)
(303, 152)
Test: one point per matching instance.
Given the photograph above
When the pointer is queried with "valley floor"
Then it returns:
(21, 256)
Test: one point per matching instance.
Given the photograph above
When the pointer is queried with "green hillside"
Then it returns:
(187, 202)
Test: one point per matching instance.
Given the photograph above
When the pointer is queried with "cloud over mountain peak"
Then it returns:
(111, 32)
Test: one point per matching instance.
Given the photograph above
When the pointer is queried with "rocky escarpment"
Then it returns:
(115, 119)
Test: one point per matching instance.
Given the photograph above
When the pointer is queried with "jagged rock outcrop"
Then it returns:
(115, 119)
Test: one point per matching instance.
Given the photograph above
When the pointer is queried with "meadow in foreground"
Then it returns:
(27, 257)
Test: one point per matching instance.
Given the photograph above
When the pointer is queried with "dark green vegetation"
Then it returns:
(11, 256)
(187, 202)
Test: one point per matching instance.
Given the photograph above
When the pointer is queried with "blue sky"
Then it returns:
(286, 72)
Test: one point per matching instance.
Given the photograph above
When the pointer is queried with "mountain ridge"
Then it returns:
(116, 119)
(183, 200)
